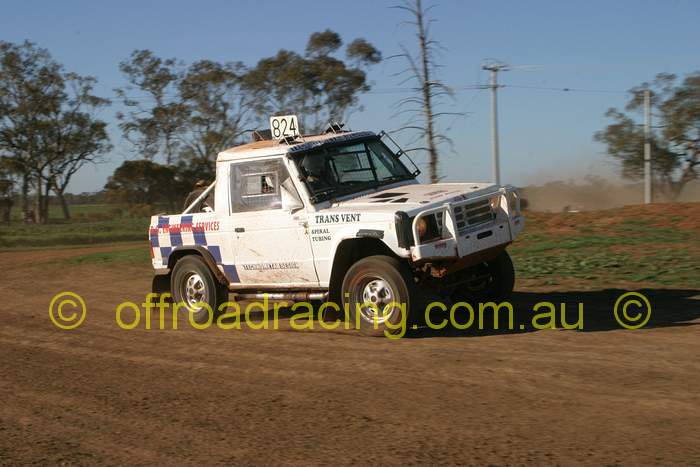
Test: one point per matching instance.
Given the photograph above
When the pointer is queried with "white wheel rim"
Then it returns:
(195, 291)
(379, 293)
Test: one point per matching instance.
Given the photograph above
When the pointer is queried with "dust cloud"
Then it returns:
(593, 194)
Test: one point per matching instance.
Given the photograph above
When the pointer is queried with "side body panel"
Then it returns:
(329, 228)
(206, 230)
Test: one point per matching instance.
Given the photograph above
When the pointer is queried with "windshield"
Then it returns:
(350, 168)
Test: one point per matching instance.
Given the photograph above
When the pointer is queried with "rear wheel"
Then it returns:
(194, 285)
(496, 281)
(378, 291)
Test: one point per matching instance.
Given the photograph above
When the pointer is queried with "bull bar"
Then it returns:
(449, 240)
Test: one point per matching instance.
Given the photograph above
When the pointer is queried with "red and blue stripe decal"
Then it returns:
(200, 239)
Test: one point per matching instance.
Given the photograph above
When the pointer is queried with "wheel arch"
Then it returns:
(348, 252)
(180, 252)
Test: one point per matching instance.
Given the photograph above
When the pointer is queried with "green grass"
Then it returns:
(627, 249)
(56, 214)
(667, 268)
(134, 256)
(119, 229)
(89, 224)
(542, 243)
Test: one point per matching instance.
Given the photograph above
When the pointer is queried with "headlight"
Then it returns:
(422, 228)
(495, 202)
(428, 229)
(512, 202)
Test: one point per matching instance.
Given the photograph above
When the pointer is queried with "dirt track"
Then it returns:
(102, 394)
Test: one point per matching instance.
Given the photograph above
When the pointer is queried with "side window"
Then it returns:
(255, 186)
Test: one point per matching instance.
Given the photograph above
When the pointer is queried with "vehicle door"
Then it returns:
(270, 236)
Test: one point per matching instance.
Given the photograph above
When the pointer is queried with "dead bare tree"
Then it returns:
(428, 93)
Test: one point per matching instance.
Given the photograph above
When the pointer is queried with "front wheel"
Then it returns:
(377, 291)
(194, 285)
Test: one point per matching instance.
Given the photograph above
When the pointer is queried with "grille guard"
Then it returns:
(448, 245)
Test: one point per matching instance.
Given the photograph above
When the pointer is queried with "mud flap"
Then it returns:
(161, 284)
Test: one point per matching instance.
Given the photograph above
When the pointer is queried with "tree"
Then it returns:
(318, 86)
(143, 182)
(216, 113)
(155, 119)
(7, 193)
(675, 138)
(7, 182)
(428, 92)
(277, 85)
(11, 172)
(29, 87)
(47, 127)
(73, 136)
(188, 114)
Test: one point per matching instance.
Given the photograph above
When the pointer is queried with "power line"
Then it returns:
(563, 89)
(463, 87)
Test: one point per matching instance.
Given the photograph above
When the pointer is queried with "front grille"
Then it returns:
(471, 216)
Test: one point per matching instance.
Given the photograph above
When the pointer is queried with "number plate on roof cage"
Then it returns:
(284, 126)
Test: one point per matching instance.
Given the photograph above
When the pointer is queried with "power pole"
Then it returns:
(647, 147)
(494, 68)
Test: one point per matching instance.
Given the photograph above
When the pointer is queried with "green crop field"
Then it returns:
(657, 245)
(90, 224)
(77, 210)
(73, 233)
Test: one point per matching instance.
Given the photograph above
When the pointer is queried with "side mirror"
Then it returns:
(290, 200)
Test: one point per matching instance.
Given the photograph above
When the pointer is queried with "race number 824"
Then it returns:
(284, 126)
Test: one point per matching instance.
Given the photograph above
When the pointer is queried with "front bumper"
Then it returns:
(458, 237)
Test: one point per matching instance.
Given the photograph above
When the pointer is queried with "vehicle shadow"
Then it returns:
(583, 311)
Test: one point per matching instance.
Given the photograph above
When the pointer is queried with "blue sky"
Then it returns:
(597, 45)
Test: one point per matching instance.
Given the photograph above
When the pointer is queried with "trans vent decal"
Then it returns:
(337, 218)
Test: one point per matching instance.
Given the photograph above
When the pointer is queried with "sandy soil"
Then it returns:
(100, 394)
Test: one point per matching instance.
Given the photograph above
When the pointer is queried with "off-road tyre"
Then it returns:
(192, 281)
(382, 280)
(498, 285)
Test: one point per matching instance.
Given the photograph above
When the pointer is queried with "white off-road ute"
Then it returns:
(335, 217)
